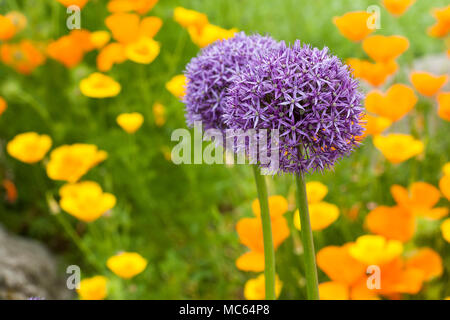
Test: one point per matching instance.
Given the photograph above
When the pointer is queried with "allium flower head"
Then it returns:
(307, 94)
(210, 74)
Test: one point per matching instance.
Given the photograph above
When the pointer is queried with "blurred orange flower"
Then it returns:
(375, 249)
(139, 6)
(150, 26)
(428, 261)
(86, 200)
(398, 7)
(374, 73)
(394, 105)
(385, 49)
(419, 200)
(7, 28)
(70, 49)
(353, 25)
(98, 85)
(397, 147)
(177, 86)
(93, 288)
(18, 19)
(209, 33)
(332, 290)
(189, 18)
(426, 83)
(393, 223)
(127, 264)
(71, 162)
(78, 3)
(130, 122)
(144, 51)
(255, 289)
(23, 57)
(3, 105)
(444, 185)
(445, 228)
(442, 26)
(251, 261)
(444, 105)
(374, 125)
(159, 114)
(124, 26)
(11, 190)
(278, 205)
(29, 147)
(111, 54)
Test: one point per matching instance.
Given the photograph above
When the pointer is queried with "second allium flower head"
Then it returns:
(253, 82)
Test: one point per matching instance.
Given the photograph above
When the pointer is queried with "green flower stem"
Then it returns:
(312, 284)
(269, 252)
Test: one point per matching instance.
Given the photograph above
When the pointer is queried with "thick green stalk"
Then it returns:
(269, 252)
(312, 284)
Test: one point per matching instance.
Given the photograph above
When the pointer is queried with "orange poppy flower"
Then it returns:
(374, 73)
(66, 50)
(189, 18)
(428, 261)
(83, 39)
(426, 83)
(339, 265)
(333, 290)
(385, 49)
(398, 7)
(99, 39)
(124, 26)
(78, 3)
(374, 125)
(18, 19)
(394, 223)
(419, 200)
(442, 26)
(278, 206)
(23, 57)
(445, 229)
(150, 26)
(353, 25)
(444, 105)
(3, 105)
(139, 6)
(11, 190)
(251, 261)
(111, 54)
(209, 33)
(444, 185)
(7, 28)
(394, 105)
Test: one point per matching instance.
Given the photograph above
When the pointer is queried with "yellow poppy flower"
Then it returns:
(385, 49)
(189, 18)
(444, 185)
(255, 289)
(394, 105)
(333, 290)
(398, 7)
(86, 200)
(94, 288)
(353, 25)
(159, 114)
(98, 85)
(445, 229)
(321, 214)
(375, 250)
(144, 51)
(7, 28)
(130, 122)
(375, 125)
(140, 6)
(71, 162)
(127, 264)
(420, 200)
(444, 105)
(278, 206)
(398, 147)
(209, 33)
(426, 83)
(29, 147)
(99, 39)
(177, 86)
(251, 261)
(316, 191)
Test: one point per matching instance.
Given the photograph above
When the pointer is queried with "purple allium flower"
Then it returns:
(210, 74)
(307, 94)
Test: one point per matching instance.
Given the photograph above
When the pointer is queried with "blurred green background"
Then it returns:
(182, 218)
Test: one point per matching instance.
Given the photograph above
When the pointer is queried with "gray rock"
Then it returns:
(29, 270)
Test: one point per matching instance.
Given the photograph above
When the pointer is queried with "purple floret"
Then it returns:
(306, 93)
(210, 74)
